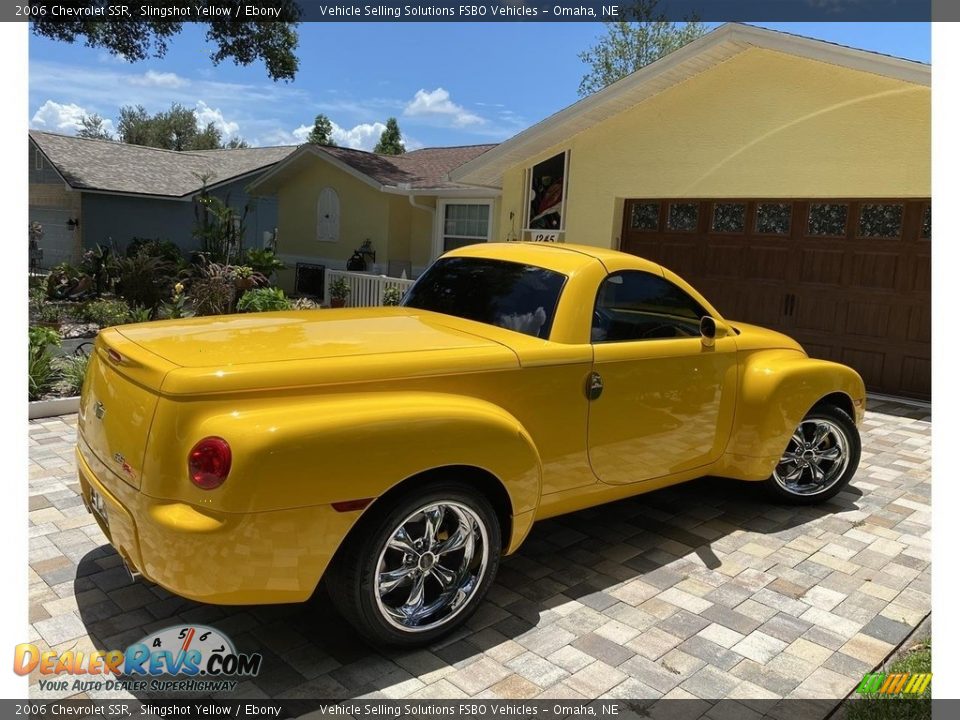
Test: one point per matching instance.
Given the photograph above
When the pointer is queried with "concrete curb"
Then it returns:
(50, 408)
(920, 632)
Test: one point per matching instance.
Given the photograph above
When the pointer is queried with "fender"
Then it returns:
(777, 389)
(331, 448)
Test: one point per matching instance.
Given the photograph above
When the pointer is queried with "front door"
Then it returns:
(663, 401)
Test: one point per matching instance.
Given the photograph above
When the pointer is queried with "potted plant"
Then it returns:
(246, 278)
(339, 290)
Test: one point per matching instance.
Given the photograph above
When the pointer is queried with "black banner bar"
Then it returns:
(459, 11)
(787, 709)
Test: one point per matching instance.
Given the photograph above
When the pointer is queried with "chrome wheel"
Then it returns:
(431, 566)
(815, 459)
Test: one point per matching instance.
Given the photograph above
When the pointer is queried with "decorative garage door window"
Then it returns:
(546, 194)
(881, 220)
(465, 224)
(774, 218)
(328, 215)
(683, 217)
(926, 223)
(729, 217)
(645, 216)
(827, 219)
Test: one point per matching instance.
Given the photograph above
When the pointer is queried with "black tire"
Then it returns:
(352, 580)
(849, 444)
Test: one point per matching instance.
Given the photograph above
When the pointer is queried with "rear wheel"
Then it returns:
(820, 458)
(419, 567)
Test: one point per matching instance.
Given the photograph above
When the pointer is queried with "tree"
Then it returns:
(235, 143)
(173, 129)
(322, 132)
(137, 127)
(137, 39)
(390, 141)
(91, 126)
(631, 44)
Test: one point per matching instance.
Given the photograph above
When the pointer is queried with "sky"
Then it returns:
(446, 83)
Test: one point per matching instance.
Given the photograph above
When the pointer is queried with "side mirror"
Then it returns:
(708, 331)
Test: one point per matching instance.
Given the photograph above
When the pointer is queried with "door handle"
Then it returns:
(594, 386)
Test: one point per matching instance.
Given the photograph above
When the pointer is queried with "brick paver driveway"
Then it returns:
(704, 590)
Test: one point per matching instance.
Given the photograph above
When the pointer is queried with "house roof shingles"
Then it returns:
(424, 169)
(117, 167)
(110, 166)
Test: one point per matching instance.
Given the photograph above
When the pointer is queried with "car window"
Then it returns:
(509, 295)
(636, 305)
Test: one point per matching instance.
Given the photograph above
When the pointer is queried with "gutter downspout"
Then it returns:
(414, 203)
(433, 224)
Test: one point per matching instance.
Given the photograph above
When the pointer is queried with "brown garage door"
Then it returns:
(849, 279)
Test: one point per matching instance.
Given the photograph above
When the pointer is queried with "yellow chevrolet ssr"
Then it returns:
(400, 452)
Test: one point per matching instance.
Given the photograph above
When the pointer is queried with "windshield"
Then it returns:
(509, 295)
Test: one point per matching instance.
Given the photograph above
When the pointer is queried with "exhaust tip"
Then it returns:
(132, 572)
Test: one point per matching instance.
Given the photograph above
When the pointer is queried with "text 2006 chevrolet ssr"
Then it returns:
(400, 452)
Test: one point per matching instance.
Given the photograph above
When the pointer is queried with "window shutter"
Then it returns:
(328, 216)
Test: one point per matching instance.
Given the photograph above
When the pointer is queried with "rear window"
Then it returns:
(509, 295)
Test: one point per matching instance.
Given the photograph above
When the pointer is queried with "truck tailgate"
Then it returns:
(118, 401)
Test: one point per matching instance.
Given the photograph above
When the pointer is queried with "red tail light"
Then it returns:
(209, 463)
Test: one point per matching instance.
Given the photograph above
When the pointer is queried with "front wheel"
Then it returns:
(820, 458)
(419, 567)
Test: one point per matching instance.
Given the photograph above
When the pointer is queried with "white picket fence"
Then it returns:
(366, 289)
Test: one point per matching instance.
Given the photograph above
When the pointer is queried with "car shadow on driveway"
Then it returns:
(573, 574)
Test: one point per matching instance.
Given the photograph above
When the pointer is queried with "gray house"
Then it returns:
(88, 192)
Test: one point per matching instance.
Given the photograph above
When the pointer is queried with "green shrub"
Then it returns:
(42, 310)
(106, 312)
(263, 300)
(73, 370)
(61, 280)
(339, 289)
(41, 373)
(38, 298)
(164, 249)
(139, 315)
(213, 295)
(392, 296)
(176, 307)
(263, 261)
(145, 279)
(100, 264)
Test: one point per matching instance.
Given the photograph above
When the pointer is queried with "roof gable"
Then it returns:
(115, 167)
(706, 52)
(421, 170)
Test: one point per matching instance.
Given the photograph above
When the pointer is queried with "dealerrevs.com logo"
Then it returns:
(184, 658)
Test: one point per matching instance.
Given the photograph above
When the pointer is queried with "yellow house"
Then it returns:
(787, 178)
(331, 200)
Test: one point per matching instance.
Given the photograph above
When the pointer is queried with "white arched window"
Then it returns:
(328, 215)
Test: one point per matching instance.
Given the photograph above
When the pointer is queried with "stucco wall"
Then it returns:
(421, 233)
(762, 124)
(397, 230)
(364, 213)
